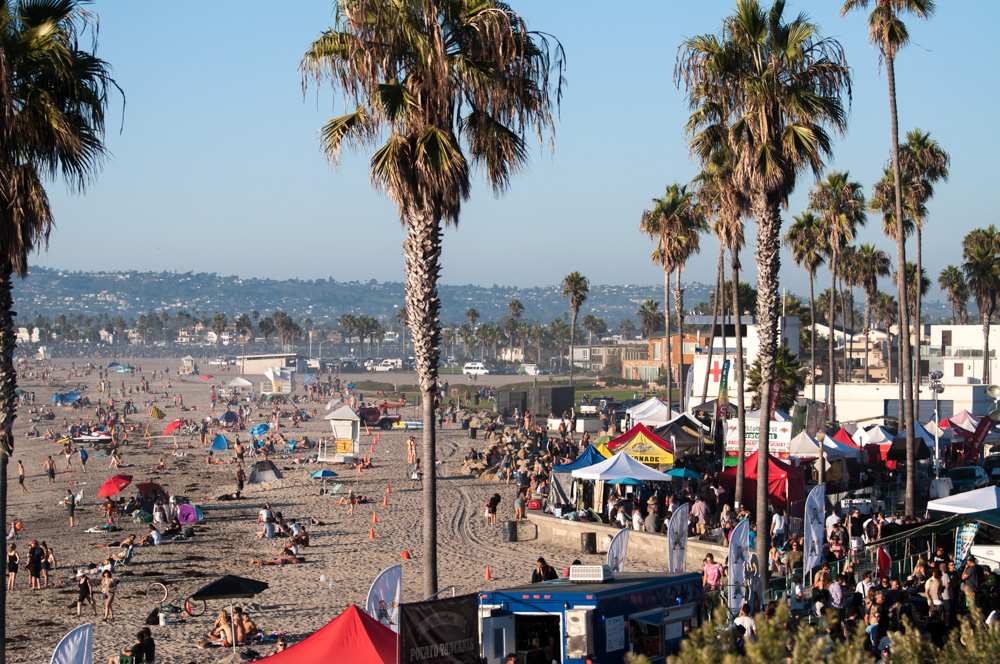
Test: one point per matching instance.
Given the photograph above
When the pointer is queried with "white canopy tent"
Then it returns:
(876, 435)
(651, 412)
(779, 416)
(921, 432)
(346, 427)
(969, 502)
(240, 383)
(804, 445)
(964, 420)
(620, 467)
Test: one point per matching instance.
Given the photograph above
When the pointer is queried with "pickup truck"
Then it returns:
(374, 417)
(389, 364)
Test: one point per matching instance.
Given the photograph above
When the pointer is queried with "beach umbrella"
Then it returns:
(157, 413)
(684, 474)
(114, 485)
(228, 417)
(323, 474)
(230, 587)
(172, 427)
(259, 430)
(205, 377)
(628, 481)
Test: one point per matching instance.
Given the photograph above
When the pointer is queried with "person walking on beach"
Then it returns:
(241, 478)
(35, 556)
(13, 562)
(108, 590)
(84, 593)
(20, 476)
(83, 459)
(48, 563)
(50, 469)
(70, 502)
(411, 450)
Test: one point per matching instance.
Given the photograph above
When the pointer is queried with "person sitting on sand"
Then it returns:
(173, 528)
(286, 557)
(152, 538)
(299, 534)
(222, 631)
(246, 628)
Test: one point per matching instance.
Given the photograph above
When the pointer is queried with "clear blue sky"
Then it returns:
(218, 166)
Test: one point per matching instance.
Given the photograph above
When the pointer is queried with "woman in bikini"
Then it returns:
(108, 590)
(13, 562)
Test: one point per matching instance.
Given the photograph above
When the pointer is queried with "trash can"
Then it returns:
(588, 543)
(510, 531)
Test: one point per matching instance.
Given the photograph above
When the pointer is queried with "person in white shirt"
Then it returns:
(836, 592)
(636, 519)
(831, 521)
(864, 585)
(778, 528)
(745, 621)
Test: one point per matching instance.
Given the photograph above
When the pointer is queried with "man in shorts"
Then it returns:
(70, 502)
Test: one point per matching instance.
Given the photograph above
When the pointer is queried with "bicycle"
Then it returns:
(157, 592)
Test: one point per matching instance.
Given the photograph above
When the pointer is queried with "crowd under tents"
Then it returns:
(652, 412)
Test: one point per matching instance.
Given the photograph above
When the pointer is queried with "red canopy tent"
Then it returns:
(353, 637)
(843, 437)
(640, 429)
(786, 485)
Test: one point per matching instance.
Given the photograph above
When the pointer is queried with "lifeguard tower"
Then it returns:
(346, 427)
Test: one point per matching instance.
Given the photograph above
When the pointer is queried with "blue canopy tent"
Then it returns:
(112, 365)
(588, 457)
(220, 443)
(65, 398)
(259, 430)
(228, 417)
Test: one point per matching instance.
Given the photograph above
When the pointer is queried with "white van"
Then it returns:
(475, 369)
(389, 364)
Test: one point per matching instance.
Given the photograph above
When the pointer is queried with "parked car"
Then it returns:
(475, 369)
(389, 364)
(967, 478)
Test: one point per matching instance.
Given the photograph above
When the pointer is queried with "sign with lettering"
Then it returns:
(779, 436)
(441, 631)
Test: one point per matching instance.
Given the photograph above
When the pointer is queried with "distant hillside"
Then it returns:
(52, 292)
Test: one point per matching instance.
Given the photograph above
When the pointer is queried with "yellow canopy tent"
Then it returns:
(644, 446)
(157, 413)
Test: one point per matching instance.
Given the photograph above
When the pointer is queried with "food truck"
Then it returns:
(593, 612)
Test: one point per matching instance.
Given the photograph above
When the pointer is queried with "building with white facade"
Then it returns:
(957, 352)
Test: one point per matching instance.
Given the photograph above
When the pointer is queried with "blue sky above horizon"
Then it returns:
(218, 166)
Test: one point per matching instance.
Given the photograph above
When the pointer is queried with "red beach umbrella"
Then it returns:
(206, 377)
(114, 485)
(172, 427)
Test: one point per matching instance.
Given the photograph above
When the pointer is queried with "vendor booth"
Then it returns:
(345, 446)
(567, 619)
(645, 447)
(620, 467)
(353, 637)
(651, 412)
(685, 434)
(786, 484)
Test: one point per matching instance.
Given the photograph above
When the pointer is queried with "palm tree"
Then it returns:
(594, 326)
(437, 80)
(872, 264)
(888, 33)
(536, 335)
(850, 278)
(649, 317)
(53, 98)
(924, 164)
(468, 337)
(952, 281)
(686, 241)
(626, 328)
(575, 288)
(472, 315)
(559, 333)
(913, 291)
(516, 311)
(789, 378)
(402, 319)
(806, 239)
(981, 253)
(840, 204)
(776, 87)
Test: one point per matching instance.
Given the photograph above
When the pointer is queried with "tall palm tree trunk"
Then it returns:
(905, 357)
(740, 374)
(985, 316)
(666, 332)
(8, 383)
(831, 376)
(422, 250)
(679, 309)
(812, 333)
(867, 326)
(849, 362)
(715, 321)
(766, 211)
(572, 342)
(916, 323)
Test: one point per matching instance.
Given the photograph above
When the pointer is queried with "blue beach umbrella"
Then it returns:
(259, 430)
(684, 474)
(323, 474)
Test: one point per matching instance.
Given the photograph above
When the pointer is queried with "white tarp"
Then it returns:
(964, 420)
(805, 446)
(677, 533)
(620, 467)
(617, 551)
(239, 382)
(969, 502)
(651, 412)
(384, 596)
(77, 647)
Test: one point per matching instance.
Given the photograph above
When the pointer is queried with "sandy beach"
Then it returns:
(297, 601)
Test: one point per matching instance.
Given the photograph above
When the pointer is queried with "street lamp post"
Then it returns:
(936, 389)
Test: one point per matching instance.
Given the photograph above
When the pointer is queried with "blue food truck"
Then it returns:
(593, 612)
